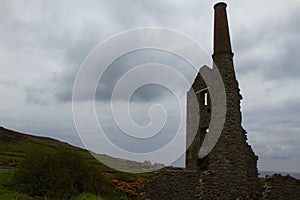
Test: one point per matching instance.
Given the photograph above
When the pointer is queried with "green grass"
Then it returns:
(7, 192)
(17, 196)
(87, 196)
(16, 146)
(5, 179)
(260, 187)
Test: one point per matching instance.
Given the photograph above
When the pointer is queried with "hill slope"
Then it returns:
(14, 147)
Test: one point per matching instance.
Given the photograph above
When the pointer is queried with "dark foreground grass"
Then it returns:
(8, 193)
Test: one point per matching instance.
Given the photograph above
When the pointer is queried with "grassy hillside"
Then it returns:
(15, 147)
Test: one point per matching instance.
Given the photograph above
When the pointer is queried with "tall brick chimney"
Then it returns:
(221, 31)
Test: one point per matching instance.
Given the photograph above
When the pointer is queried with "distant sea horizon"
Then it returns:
(263, 173)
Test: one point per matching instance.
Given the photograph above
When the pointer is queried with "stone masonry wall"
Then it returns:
(173, 184)
(192, 159)
(193, 185)
(278, 187)
(232, 159)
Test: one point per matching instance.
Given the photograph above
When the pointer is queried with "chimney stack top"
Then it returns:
(221, 30)
(220, 4)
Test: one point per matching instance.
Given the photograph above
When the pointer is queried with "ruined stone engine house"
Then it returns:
(229, 171)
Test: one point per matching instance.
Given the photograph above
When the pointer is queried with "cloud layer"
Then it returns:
(42, 45)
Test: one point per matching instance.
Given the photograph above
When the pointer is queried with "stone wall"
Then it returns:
(194, 185)
(278, 187)
(172, 184)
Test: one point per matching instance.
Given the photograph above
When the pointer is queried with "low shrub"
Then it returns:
(59, 175)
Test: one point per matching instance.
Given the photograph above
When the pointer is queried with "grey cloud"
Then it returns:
(268, 55)
(272, 48)
(74, 42)
(274, 131)
(61, 36)
(121, 66)
(139, 114)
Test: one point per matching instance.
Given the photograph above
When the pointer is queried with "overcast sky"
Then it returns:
(43, 44)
